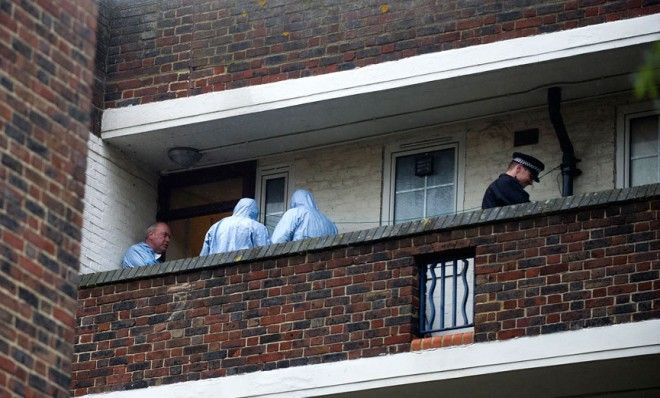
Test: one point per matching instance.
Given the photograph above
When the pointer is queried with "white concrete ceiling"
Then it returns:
(429, 89)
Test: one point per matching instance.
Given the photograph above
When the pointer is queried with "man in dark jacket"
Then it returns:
(509, 188)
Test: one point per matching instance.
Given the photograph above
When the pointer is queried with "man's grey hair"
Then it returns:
(151, 229)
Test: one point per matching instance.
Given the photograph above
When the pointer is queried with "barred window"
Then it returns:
(446, 292)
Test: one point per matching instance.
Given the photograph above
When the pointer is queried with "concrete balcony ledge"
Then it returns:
(435, 224)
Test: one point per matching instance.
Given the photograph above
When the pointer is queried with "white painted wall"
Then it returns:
(120, 203)
(347, 179)
(591, 125)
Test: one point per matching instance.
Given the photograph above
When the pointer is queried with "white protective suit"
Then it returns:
(303, 220)
(240, 231)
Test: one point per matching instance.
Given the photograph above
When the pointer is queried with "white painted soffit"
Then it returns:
(621, 345)
(384, 76)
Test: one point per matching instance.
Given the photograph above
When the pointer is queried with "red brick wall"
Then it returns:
(568, 271)
(101, 59)
(169, 49)
(543, 274)
(291, 311)
(46, 59)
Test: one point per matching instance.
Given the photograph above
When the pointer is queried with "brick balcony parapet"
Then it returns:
(539, 268)
(443, 223)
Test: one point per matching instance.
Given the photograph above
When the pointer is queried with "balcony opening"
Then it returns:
(446, 292)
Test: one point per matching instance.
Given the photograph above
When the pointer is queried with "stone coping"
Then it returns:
(440, 223)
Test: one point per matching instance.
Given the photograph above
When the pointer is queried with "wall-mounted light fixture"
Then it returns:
(184, 156)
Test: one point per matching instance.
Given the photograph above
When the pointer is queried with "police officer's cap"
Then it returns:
(531, 163)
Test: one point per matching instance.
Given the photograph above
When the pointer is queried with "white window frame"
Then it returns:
(267, 173)
(624, 115)
(405, 148)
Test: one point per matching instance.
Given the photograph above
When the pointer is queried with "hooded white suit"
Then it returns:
(240, 231)
(303, 220)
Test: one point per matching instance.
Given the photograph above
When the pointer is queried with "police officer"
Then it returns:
(509, 188)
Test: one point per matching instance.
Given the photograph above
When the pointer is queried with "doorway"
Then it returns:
(191, 201)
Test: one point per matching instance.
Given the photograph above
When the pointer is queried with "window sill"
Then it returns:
(447, 340)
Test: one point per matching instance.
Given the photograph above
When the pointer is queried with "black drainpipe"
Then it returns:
(569, 168)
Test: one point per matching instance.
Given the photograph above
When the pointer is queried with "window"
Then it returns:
(638, 146)
(273, 194)
(446, 292)
(426, 194)
(422, 180)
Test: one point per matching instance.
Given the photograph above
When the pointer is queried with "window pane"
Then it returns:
(644, 171)
(439, 201)
(405, 174)
(408, 206)
(644, 150)
(443, 167)
(427, 196)
(275, 202)
(644, 137)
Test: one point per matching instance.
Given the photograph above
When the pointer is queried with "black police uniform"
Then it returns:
(506, 190)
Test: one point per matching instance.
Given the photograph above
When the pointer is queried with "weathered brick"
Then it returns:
(644, 276)
(532, 262)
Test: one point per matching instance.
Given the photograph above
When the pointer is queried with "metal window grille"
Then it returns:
(446, 295)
